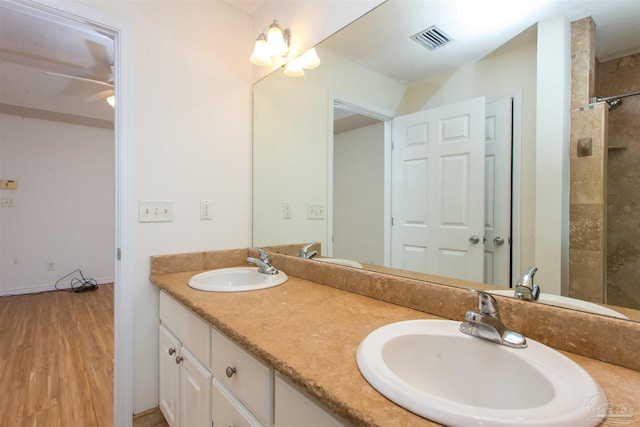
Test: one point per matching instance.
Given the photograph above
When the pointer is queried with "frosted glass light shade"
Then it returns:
(275, 40)
(261, 54)
(310, 59)
(294, 68)
(112, 101)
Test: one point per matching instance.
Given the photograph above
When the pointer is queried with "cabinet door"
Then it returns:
(294, 409)
(226, 409)
(195, 392)
(169, 375)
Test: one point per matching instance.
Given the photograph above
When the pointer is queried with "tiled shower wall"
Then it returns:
(618, 77)
(588, 157)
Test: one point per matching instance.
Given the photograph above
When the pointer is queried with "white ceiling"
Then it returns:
(478, 28)
(31, 43)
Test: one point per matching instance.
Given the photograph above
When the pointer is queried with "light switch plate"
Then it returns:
(315, 211)
(155, 211)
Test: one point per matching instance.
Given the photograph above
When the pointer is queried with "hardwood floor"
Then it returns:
(56, 359)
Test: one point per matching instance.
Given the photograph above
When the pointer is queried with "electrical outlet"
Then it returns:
(205, 210)
(8, 203)
(155, 211)
(51, 266)
(286, 210)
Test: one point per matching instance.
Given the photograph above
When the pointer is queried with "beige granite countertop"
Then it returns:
(310, 332)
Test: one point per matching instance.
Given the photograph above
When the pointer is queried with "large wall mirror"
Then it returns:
(334, 151)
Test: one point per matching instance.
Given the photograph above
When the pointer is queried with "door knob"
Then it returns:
(172, 351)
(179, 359)
(498, 241)
(474, 239)
(230, 371)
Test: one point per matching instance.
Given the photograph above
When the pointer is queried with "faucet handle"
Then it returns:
(487, 304)
(264, 255)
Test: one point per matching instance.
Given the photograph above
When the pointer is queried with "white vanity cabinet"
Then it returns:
(184, 380)
(206, 379)
(293, 408)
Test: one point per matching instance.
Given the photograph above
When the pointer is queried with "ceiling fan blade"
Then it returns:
(100, 95)
(99, 82)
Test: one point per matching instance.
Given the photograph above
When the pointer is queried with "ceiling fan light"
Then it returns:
(276, 40)
(310, 59)
(112, 101)
(294, 69)
(260, 55)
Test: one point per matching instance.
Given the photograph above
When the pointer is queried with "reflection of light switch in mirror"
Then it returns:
(585, 147)
(315, 211)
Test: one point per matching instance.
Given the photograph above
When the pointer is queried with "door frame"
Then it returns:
(123, 133)
(384, 115)
(516, 180)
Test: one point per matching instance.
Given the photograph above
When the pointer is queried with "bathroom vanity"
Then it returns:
(296, 344)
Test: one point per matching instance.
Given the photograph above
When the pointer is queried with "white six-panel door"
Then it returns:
(497, 231)
(438, 190)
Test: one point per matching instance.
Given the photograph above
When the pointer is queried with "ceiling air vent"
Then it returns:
(432, 38)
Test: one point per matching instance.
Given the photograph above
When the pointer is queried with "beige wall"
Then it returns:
(191, 141)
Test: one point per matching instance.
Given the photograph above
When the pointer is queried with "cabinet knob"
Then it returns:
(179, 359)
(230, 371)
(172, 351)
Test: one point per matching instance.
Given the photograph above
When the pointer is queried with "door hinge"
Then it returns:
(118, 254)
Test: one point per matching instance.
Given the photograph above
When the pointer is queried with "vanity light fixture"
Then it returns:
(307, 61)
(273, 43)
(111, 100)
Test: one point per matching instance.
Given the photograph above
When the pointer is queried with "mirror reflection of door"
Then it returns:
(484, 200)
(438, 191)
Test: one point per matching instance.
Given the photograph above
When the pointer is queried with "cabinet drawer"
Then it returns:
(191, 330)
(247, 378)
(226, 410)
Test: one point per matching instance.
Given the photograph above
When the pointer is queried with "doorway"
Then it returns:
(499, 262)
(76, 14)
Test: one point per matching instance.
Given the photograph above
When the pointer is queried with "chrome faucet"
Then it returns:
(264, 263)
(304, 252)
(525, 288)
(486, 324)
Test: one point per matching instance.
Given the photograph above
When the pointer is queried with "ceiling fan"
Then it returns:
(106, 93)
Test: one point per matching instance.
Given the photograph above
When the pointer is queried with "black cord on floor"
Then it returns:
(79, 284)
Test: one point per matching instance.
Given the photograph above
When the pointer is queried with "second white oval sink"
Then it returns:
(567, 302)
(432, 369)
(340, 261)
(236, 279)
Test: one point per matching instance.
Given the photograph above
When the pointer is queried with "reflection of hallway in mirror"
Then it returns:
(621, 76)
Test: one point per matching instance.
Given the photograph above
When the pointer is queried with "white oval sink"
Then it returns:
(236, 279)
(340, 261)
(432, 369)
(567, 302)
